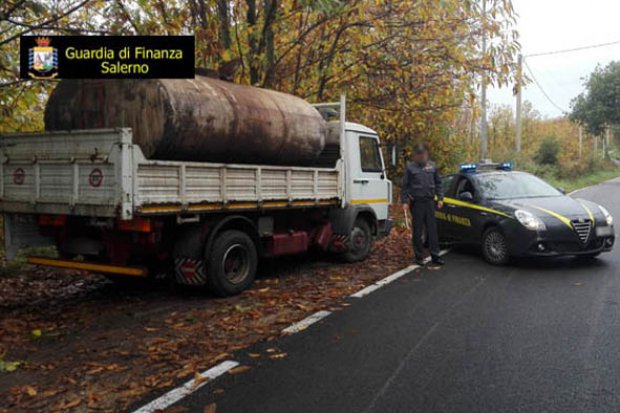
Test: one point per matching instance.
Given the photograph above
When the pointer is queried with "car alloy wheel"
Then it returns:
(494, 247)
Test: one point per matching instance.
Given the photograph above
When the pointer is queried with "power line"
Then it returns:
(574, 49)
(556, 52)
(529, 69)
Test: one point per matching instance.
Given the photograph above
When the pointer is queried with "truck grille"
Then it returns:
(583, 229)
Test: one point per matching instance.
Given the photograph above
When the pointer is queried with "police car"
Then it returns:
(515, 214)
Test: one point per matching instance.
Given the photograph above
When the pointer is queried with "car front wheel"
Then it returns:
(495, 247)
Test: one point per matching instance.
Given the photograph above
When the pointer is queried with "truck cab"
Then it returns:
(367, 182)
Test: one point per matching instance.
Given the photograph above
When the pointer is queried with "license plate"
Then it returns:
(604, 231)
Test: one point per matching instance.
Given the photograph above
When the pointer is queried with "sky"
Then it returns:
(549, 25)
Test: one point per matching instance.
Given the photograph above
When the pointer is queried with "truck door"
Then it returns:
(368, 184)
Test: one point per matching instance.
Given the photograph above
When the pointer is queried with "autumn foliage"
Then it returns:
(410, 69)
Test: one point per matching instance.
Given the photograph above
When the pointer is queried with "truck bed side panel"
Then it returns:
(65, 172)
(187, 186)
(100, 173)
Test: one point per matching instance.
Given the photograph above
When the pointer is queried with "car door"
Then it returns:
(443, 224)
(461, 212)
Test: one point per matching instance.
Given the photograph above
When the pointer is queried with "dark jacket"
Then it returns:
(422, 182)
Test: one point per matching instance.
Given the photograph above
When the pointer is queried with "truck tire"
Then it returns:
(232, 263)
(360, 242)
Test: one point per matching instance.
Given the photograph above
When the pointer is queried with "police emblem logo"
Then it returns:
(43, 60)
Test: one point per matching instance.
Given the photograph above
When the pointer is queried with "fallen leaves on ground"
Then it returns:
(104, 346)
(9, 366)
(211, 408)
(239, 370)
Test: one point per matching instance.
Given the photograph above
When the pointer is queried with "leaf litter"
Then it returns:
(85, 344)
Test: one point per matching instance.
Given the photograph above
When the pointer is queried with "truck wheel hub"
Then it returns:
(358, 239)
(236, 263)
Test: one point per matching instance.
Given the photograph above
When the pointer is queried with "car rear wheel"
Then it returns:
(495, 247)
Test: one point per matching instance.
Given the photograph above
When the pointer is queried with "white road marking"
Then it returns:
(186, 389)
(191, 386)
(306, 322)
(390, 278)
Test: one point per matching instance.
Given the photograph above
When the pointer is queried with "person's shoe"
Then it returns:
(438, 261)
(420, 262)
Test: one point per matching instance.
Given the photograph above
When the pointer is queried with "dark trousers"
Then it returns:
(423, 215)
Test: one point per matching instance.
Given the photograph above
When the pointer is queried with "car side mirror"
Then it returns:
(562, 190)
(466, 196)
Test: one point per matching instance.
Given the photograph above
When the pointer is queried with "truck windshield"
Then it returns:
(514, 185)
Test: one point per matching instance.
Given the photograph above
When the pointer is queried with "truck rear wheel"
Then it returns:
(232, 263)
(360, 241)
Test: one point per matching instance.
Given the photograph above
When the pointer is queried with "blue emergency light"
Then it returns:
(468, 167)
(505, 166)
(471, 167)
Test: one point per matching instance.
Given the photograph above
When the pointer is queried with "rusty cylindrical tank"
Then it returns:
(201, 119)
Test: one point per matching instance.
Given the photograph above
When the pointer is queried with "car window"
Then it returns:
(446, 184)
(370, 157)
(514, 185)
(465, 185)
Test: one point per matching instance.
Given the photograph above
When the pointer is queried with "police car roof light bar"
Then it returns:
(505, 166)
(472, 167)
(468, 167)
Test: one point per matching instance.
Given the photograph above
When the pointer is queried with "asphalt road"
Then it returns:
(536, 336)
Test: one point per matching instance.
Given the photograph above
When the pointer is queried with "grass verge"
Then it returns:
(594, 178)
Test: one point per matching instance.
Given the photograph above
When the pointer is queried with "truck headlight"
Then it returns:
(608, 218)
(529, 220)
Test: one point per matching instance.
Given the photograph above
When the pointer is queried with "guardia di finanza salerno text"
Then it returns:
(107, 55)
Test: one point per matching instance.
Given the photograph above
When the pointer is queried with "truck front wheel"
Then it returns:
(232, 263)
(360, 241)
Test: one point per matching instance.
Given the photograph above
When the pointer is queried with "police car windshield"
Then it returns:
(514, 185)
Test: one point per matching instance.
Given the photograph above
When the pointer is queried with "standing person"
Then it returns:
(421, 184)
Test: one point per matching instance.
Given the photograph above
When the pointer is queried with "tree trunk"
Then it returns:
(223, 10)
(254, 57)
(267, 41)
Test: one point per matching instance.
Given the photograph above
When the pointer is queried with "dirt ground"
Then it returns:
(76, 342)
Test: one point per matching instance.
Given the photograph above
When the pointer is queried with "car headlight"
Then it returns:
(529, 220)
(608, 218)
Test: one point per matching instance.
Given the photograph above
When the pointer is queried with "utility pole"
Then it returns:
(519, 104)
(483, 94)
(595, 146)
(580, 141)
(606, 143)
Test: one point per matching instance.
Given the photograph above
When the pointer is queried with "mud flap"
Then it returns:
(190, 271)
